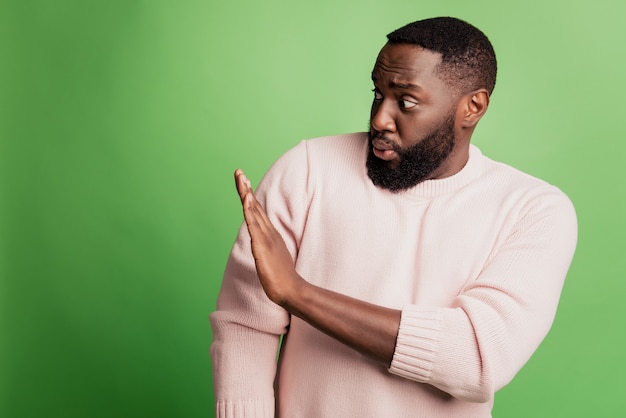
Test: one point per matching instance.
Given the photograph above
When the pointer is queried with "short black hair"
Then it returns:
(468, 60)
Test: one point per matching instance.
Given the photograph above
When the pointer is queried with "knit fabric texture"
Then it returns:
(475, 261)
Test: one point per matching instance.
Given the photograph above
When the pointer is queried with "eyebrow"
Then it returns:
(405, 86)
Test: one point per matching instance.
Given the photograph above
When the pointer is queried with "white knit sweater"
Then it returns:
(475, 261)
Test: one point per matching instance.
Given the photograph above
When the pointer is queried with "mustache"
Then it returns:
(373, 135)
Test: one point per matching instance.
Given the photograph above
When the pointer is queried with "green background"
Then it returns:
(121, 123)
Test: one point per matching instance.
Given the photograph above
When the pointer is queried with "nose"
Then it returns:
(382, 119)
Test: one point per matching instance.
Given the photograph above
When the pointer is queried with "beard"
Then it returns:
(417, 162)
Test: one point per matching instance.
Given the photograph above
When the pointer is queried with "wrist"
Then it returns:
(292, 296)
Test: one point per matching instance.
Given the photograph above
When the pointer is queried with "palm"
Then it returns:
(273, 261)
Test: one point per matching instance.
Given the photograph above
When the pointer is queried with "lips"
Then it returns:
(384, 150)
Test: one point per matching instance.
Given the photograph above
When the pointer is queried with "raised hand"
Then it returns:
(368, 328)
(273, 261)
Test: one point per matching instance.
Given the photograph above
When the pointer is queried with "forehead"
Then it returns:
(406, 64)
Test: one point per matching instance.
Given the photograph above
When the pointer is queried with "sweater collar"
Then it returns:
(432, 188)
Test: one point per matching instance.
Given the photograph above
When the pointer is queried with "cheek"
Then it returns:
(412, 131)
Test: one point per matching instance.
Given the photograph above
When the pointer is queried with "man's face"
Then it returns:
(412, 122)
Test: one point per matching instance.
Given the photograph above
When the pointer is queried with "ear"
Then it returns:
(474, 105)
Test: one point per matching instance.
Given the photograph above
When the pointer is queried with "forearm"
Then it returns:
(370, 329)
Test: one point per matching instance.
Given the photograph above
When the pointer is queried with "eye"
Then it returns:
(408, 103)
(377, 95)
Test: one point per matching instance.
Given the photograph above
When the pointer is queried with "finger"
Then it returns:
(256, 218)
(250, 219)
(244, 178)
(239, 184)
(250, 210)
(242, 184)
(254, 213)
(258, 213)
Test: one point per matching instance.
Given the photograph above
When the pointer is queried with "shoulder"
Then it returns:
(343, 146)
(507, 179)
(302, 167)
(351, 141)
(318, 155)
(525, 193)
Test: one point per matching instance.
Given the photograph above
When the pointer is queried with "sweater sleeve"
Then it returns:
(475, 346)
(246, 325)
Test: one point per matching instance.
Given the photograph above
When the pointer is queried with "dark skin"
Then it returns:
(409, 100)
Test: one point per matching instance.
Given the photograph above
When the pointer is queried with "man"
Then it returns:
(410, 275)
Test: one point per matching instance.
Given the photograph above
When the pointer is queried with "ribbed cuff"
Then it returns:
(417, 343)
(252, 408)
